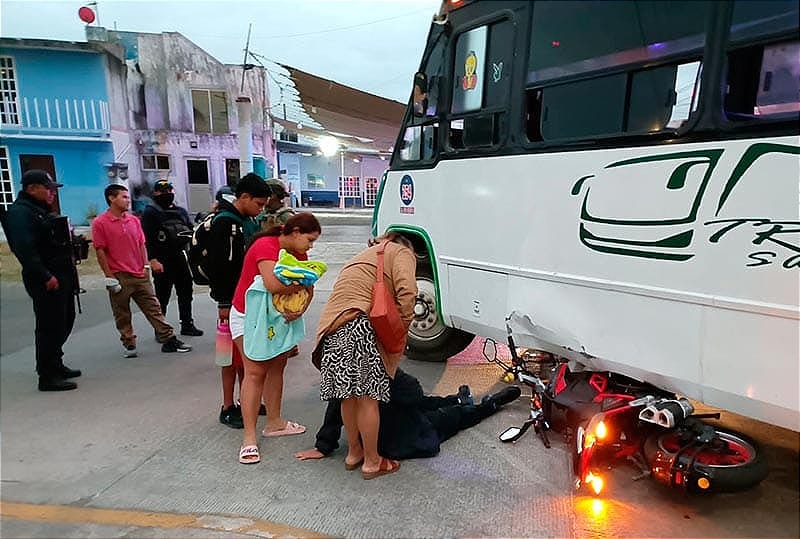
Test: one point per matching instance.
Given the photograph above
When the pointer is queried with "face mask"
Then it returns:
(164, 200)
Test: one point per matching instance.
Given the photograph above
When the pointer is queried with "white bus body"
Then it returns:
(626, 175)
(721, 326)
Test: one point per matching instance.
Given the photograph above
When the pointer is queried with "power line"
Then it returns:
(316, 32)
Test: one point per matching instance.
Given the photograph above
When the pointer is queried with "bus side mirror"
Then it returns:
(420, 97)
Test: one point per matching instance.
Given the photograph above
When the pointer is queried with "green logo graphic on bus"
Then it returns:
(673, 187)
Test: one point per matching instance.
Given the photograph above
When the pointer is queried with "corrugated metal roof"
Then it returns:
(314, 107)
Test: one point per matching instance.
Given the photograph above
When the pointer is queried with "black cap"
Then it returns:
(36, 176)
(162, 185)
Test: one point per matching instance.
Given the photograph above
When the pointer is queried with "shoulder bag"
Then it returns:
(384, 316)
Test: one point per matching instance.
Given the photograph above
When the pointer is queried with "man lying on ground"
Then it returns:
(411, 424)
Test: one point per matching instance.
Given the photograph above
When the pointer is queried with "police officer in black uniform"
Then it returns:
(42, 242)
(168, 231)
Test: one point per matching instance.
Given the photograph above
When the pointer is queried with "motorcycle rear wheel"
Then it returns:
(735, 464)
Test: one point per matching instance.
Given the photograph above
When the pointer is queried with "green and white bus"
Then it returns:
(622, 175)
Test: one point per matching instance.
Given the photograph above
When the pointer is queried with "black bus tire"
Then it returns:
(428, 338)
(724, 478)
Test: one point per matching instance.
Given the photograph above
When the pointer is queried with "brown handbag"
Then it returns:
(384, 316)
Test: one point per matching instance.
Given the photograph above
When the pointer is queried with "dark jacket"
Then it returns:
(406, 432)
(41, 241)
(159, 241)
(226, 247)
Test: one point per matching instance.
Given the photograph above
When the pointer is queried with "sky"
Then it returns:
(372, 45)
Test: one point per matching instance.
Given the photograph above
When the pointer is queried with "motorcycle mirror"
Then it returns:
(490, 350)
(511, 434)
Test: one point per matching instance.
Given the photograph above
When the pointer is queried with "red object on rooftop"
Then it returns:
(86, 15)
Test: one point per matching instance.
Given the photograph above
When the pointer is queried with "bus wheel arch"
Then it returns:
(429, 339)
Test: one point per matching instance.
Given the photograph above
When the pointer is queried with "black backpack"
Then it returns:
(174, 234)
(198, 246)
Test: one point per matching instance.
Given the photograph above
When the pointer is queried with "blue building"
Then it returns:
(55, 116)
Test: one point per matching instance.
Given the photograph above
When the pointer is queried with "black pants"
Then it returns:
(449, 420)
(55, 315)
(176, 273)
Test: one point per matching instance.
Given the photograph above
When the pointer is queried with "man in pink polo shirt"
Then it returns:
(119, 240)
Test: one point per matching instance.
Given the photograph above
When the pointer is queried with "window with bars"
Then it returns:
(6, 185)
(155, 162)
(210, 111)
(9, 107)
(349, 187)
(370, 191)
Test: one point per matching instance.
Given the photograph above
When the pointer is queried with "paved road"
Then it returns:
(137, 451)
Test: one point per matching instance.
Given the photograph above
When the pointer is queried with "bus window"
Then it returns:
(754, 19)
(584, 108)
(419, 143)
(481, 82)
(763, 77)
(411, 144)
(763, 81)
(662, 97)
(468, 75)
(573, 37)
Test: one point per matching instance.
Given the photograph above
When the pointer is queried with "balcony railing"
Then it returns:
(56, 116)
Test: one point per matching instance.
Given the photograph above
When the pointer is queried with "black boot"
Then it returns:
(501, 398)
(56, 384)
(188, 328)
(66, 372)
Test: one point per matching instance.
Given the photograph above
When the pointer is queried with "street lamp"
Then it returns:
(329, 146)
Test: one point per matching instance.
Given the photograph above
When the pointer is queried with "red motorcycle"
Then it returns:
(607, 417)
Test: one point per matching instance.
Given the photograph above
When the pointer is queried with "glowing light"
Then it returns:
(601, 431)
(703, 483)
(329, 146)
(595, 481)
(589, 440)
(598, 507)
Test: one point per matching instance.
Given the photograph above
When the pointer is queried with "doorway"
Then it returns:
(42, 162)
(199, 196)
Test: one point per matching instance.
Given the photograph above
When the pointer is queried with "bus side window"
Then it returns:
(763, 81)
(481, 82)
(412, 139)
(419, 143)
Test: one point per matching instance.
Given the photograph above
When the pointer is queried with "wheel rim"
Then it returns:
(729, 450)
(426, 325)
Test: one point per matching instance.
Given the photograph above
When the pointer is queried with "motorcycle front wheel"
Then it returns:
(732, 461)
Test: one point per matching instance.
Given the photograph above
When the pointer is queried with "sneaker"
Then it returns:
(465, 396)
(130, 350)
(190, 330)
(231, 416)
(174, 345)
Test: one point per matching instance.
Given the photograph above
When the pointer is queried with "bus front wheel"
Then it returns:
(428, 338)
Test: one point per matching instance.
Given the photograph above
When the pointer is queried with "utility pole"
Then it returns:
(244, 111)
(246, 51)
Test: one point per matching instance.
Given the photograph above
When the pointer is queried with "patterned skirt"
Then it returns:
(351, 364)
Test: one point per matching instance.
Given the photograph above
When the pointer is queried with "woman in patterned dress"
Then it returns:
(353, 366)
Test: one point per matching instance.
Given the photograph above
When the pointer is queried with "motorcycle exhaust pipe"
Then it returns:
(667, 413)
